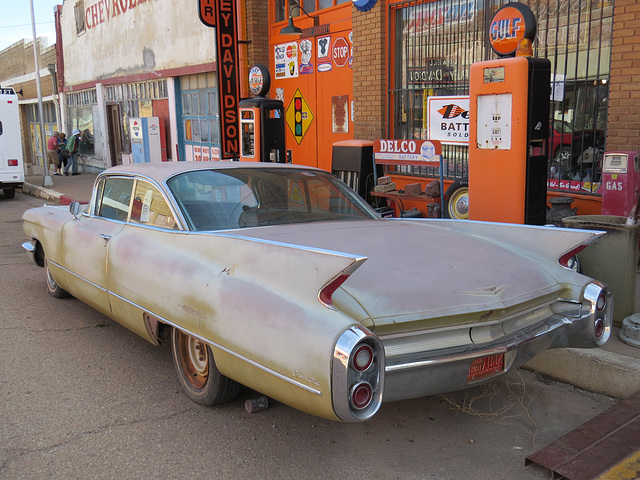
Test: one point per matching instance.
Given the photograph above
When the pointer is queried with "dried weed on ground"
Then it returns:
(499, 401)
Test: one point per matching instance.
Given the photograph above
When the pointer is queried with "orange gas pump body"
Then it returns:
(509, 119)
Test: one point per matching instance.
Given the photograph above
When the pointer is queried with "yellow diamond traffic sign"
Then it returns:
(298, 116)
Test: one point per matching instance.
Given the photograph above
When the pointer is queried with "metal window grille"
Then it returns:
(77, 99)
(436, 42)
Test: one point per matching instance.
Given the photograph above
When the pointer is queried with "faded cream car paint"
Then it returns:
(252, 294)
(248, 326)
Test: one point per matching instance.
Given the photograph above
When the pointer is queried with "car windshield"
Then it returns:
(251, 197)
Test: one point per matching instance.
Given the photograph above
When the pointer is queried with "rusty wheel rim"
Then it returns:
(194, 359)
(459, 204)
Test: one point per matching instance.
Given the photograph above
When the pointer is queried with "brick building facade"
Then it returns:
(18, 71)
(624, 89)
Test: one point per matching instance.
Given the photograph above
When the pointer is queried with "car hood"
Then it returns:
(416, 270)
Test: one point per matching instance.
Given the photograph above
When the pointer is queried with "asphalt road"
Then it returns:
(81, 398)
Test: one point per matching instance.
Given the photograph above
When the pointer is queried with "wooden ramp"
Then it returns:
(606, 447)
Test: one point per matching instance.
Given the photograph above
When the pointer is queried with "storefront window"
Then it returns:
(81, 118)
(135, 100)
(436, 42)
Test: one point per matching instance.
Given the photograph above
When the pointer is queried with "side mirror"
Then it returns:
(75, 208)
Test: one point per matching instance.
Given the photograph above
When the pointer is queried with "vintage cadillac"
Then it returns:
(282, 279)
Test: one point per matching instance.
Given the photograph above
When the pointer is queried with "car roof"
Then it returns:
(160, 172)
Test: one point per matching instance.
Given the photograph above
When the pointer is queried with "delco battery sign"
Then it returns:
(424, 153)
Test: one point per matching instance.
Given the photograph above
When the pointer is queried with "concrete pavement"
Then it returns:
(613, 370)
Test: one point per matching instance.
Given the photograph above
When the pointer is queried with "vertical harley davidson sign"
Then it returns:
(223, 15)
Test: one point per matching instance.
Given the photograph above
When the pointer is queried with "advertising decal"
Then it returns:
(448, 119)
(286, 60)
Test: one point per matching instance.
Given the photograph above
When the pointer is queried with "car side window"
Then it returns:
(150, 208)
(115, 199)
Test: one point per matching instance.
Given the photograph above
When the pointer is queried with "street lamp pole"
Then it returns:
(46, 180)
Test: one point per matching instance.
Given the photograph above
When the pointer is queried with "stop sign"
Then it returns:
(340, 52)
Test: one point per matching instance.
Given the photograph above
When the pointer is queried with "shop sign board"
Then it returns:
(206, 11)
(364, 5)
(222, 15)
(448, 119)
(423, 153)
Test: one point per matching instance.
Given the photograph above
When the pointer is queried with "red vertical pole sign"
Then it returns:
(222, 14)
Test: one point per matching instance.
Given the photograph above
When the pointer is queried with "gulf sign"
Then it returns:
(423, 153)
(511, 23)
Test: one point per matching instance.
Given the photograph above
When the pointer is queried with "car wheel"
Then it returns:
(53, 288)
(9, 192)
(457, 203)
(197, 371)
(563, 159)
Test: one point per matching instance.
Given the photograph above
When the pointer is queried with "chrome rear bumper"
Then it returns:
(418, 374)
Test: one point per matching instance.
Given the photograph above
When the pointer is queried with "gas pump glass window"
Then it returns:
(252, 197)
(248, 133)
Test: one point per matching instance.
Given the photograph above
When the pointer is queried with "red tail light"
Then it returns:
(13, 163)
(601, 303)
(363, 358)
(598, 329)
(328, 290)
(565, 259)
(361, 395)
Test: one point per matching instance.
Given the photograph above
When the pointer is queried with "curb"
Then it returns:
(595, 370)
(46, 194)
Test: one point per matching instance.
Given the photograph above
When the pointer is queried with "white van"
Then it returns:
(11, 162)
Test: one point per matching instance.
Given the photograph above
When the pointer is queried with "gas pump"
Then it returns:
(148, 141)
(621, 181)
(261, 122)
(509, 112)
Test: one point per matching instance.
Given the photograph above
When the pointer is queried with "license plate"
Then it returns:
(485, 367)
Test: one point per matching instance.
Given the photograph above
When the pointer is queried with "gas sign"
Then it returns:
(513, 22)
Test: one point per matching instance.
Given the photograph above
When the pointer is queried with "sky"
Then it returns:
(15, 21)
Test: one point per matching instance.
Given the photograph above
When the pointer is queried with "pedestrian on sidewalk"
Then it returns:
(63, 153)
(52, 153)
(72, 147)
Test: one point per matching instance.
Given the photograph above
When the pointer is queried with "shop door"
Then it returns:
(334, 94)
(115, 135)
(313, 78)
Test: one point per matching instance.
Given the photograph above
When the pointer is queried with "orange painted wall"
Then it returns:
(325, 85)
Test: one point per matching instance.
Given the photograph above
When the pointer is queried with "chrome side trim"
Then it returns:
(221, 347)
(205, 340)
(96, 286)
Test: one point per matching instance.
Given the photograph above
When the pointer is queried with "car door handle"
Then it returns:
(105, 237)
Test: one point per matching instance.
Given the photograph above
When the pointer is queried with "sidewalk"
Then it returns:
(65, 189)
(613, 370)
